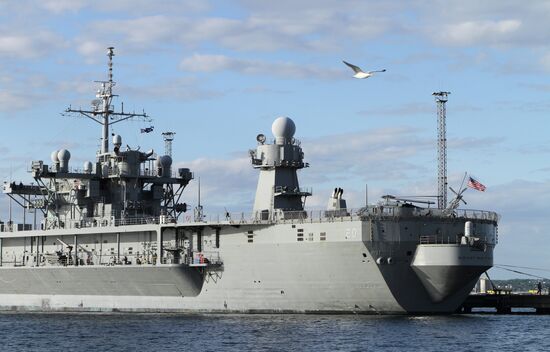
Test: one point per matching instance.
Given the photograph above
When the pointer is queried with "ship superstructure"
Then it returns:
(113, 238)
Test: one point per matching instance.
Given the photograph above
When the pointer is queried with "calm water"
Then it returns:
(119, 332)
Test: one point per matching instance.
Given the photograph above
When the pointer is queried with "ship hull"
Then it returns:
(276, 273)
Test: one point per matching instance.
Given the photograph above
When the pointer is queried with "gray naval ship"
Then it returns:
(115, 236)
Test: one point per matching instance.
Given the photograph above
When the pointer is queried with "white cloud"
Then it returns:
(375, 155)
(297, 27)
(126, 6)
(181, 89)
(90, 47)
(478, 144)
(545, 62)
(213, 63)
(403, 110)
(28, 90)
(60, 6)
(539, 86)
(142, 31)
(149, 32)
(227, 183)
(14, 45)
(13, 101)
(478, 32)
(28, 45)
(313, 27)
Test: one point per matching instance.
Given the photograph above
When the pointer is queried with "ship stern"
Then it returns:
(444, 269)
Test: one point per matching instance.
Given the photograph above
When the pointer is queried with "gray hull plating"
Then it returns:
(304, 267)
(170, 280)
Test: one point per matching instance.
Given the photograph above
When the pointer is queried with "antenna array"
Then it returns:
(102, 107)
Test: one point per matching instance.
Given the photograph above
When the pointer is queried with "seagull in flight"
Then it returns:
(359, 73)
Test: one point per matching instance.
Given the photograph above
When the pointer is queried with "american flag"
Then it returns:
(472, 183)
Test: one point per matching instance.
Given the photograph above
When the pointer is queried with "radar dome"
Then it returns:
(54, 157)
(166, 161)
(63, 155)
(87, 167)
(283, 127)
(117, 140)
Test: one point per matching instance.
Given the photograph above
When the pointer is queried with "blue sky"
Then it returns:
(218, 73)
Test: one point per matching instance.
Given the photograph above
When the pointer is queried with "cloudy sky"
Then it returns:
(219, 72)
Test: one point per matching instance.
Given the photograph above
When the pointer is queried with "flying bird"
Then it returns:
(359, 73)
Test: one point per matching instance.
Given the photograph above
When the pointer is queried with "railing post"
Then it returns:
(118, 247)
(75, 249)
(159, 246)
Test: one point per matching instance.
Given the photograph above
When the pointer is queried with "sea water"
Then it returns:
(152, 332)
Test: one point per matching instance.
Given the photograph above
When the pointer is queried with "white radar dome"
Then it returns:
(54, 157)
(283, 127)
(63, 155)
(117, 139)
(87, 167)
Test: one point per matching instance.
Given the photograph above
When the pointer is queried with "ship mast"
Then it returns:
(102, 111)
(441, 100)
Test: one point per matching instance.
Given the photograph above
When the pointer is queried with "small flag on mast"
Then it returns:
(473, 183)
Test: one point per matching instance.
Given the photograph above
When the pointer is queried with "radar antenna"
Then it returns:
(459, 197)
(441, 99)
(102, 111)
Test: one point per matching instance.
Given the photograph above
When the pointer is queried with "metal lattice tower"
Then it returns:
(441, 100)
(168, 138)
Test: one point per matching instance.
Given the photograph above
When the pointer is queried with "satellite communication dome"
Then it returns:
(63, 155)
(283, 127)
(166, 161)
(54, 157)
(87, 167)
(117, 140)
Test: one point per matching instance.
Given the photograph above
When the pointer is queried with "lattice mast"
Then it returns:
(441, 99)
(168, 138)
(102, 111)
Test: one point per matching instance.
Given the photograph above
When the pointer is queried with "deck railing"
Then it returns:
(479, 241)
(278, 216)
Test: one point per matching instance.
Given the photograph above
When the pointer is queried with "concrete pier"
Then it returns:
(504, 303)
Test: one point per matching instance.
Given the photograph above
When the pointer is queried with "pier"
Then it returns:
(505, 302)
